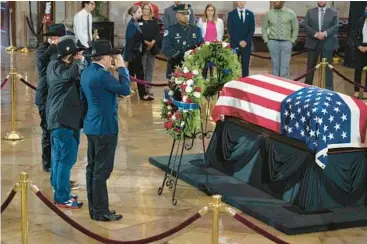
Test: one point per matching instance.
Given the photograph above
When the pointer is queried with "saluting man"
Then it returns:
(179, 38)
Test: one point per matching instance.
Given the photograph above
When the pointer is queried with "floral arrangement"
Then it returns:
(187, 86)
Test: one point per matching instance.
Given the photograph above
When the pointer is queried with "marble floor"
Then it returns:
(134, 182)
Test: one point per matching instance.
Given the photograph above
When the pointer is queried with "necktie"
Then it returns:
(280, 26)
(88, 23)
(322, 15)
(241, 15)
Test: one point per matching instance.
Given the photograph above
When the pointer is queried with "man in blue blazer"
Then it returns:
(99, 101)
(241, 28)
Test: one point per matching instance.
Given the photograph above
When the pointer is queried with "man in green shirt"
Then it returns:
(280, 32)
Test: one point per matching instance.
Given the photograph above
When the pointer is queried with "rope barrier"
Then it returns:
(31, 28)
(27, 83)
(345, 78)
(265, 57)
(145, 83)
(9, 198)
(102, 239)
(340, 55)
(161, 58)
(3, 83)
(307, 73)
(259, 230)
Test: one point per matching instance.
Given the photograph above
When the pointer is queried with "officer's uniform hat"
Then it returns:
(182, 8)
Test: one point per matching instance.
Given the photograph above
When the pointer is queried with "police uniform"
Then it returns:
(179, 38)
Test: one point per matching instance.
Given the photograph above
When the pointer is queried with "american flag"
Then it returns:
(258, 100)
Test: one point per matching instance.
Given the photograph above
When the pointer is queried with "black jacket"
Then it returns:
(45, 53)
(63, 107)
(355, 39)
(151, 31)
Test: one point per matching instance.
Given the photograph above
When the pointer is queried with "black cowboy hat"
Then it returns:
(102, 48)
(66, 47)
(57, 30)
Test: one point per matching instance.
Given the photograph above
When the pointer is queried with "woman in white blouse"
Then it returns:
(212, 27)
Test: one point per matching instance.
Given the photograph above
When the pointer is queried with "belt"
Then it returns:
(278, 40)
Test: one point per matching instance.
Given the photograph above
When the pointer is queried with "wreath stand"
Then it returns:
(171, 176)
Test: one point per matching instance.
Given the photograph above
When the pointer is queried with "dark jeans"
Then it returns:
(244, 55)
(45, 141)
(312, 57)
(101, 156)
(362, 61)
(136, 70)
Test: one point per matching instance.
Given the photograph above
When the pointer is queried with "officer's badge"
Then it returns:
(177, 34)
(193, 35)
(184, 43)
(165, 33)
(94, 51)
(67, 48)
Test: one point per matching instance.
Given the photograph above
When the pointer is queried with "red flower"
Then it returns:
(178, 115)
(188, 100)
(169, 102)
(177, 129)
(189, 75)
(198, 89)
(169, 116)
(168, 125)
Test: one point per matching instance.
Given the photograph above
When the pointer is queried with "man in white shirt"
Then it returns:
(83, 24)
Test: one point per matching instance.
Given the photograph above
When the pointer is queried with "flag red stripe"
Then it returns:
(251, 98)
(249, 117)
(271, 87)
(362, 118)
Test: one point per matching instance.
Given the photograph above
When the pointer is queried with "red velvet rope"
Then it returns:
(8, 200)
(102, 239)
(346, 78)
(145, 83)
(3, 83)
(259, 230)
(27, 83)
(305, 74)
(161, 58)
(265, 57)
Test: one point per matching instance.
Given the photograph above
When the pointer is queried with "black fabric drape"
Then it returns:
(277, 167)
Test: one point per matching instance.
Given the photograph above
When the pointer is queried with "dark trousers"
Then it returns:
(101, 156)
(45, 141)
(361, 59)
(136, 70)
(244, 55)
(312, 57)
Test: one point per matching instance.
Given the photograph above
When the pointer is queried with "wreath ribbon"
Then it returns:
(181, 105)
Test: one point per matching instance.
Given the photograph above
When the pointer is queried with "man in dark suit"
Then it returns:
(321, 25)
(241, 28)
(99, 101)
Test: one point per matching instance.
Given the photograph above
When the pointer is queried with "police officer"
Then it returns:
(179, 38)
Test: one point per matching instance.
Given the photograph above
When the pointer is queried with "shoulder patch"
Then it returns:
(165, 33)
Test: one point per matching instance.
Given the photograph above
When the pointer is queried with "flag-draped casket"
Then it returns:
(322, 121)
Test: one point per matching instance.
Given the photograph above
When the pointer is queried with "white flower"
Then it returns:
(185, 70)
(165, 100)
(207, 43)
(197, 94)
(169, 107)
(178, 81)
(224, 44)
(184, 98)
(195, 72)
(170, 93)
(182, 123)
(187, 53)
(169, 113)
(190, 82)
(185, 110)
(188, 89)
(198, 48)
(174, 117)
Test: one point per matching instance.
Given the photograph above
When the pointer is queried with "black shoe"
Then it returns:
(45, 169)
(108, 217)
(111, 212)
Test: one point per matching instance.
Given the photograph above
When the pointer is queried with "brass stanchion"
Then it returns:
(322, 80)
(25, 29)
(95, 35)
(24, 206)
(13, 135)
(11, 48)
(216, 208)
(363, 82)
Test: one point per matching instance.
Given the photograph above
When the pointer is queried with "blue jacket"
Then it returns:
(239, 31)
(133, 41)
(99, 98)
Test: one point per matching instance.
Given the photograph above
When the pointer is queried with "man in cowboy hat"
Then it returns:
(64, 118)
(45, 52)
(99, 96)
(179, 38)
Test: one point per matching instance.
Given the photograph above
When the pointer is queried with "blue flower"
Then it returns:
(234, 51)
(209, 65)
(227, 71)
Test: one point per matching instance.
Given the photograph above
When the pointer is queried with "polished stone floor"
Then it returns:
(134, 182)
